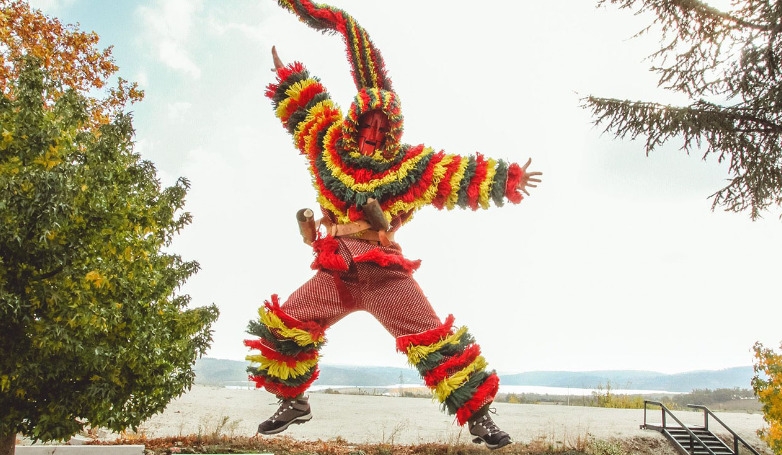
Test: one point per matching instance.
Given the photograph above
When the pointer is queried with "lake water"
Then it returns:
(518, 389)
(573, 391)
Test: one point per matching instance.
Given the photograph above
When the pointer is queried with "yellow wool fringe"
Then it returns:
(453, 382)
(457, 177)
(301, 337)
(281, 370)
(416, 353)
(355, 44)
(399, 206)
(428, 196)
(485, 188)
(294, 91)
(394, 176)
(323, 112)
(294, 94)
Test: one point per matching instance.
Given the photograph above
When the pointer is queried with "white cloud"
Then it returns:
(169, 24)
(177, 110)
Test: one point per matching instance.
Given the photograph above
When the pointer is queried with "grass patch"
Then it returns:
(285, 445)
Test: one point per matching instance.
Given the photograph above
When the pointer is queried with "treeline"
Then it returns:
(718, 399)
(707, 397)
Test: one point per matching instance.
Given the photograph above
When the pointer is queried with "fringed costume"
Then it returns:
(359, 270)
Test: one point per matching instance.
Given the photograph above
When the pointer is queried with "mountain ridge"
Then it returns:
(226, 372)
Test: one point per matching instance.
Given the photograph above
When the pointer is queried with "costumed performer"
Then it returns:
(368, 185)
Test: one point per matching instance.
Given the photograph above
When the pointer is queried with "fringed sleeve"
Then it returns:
(475, 181)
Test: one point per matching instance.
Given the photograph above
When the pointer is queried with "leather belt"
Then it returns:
(361, 230)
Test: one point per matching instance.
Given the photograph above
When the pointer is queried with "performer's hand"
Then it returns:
(528, 179)
(277, 62)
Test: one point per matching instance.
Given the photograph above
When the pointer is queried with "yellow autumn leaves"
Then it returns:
(768, 388)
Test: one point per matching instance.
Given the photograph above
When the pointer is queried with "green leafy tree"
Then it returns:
(727, 63)
(768, 388)
(92, 329)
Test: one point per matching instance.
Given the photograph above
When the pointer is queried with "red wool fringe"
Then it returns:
(328, 147)
(418, 190)
(326, 255)
(312, 327)
(452, 365)
(515, 173)
(363, 96)
(253, 344)
(365, 175)
(315, 127)
(427, 338)
(354, 213)
(324, 191)
(281, 390)
(474, 187)
(334, 17)
(336, 20)
(300, 103)
(444, 188)
(483, 395)
(385, 259)
(306, 95)
(282, 74)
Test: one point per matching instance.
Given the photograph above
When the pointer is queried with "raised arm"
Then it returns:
(302, 104)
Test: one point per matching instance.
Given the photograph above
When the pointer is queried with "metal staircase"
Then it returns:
(694, 439)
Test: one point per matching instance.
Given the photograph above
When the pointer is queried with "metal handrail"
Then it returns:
(664, 411)
(736, 438)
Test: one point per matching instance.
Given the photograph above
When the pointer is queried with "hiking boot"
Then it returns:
(486, 431)
(293, 410)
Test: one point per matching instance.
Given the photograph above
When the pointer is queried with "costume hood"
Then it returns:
(366, 100)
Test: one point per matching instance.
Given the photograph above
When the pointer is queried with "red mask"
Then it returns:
(372, 129)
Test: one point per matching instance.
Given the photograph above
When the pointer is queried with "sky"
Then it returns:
(616, 260)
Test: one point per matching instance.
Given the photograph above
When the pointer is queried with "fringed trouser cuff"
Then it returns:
(451, 364)
(288, 358)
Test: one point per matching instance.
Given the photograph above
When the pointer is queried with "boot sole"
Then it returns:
(503, 442)
(297, 421)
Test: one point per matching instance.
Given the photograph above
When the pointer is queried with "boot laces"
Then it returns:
(486, 422)
(284, 406)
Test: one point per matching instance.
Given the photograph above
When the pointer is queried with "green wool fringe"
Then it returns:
(469, 173)
(499, 182)
(463, 394)
(290, 382)
(284, 346)
(437, 357)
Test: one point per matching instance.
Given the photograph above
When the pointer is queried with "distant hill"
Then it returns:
(226, 372)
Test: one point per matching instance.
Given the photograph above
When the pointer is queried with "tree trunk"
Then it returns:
(7, 444)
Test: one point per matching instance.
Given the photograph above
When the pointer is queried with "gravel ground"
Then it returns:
(382, 419)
